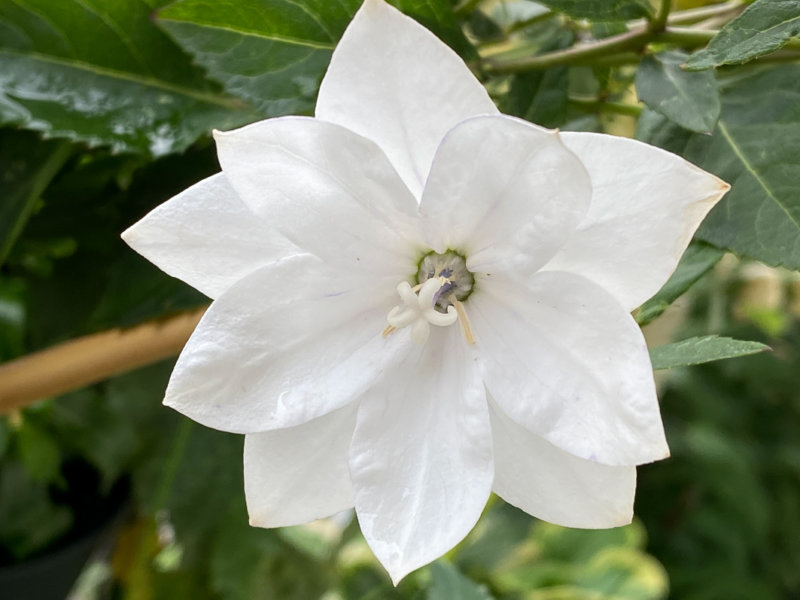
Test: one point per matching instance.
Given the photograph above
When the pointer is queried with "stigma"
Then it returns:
(443, 281)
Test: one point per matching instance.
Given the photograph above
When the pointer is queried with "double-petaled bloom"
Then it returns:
(419, 301)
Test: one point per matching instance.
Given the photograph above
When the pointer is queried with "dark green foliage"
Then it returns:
(602, 10)
(689, 99)
(106, 110)
(754, 147)
(698, 259)
(719, 513)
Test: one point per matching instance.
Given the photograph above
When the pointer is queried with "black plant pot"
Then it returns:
(51, 574)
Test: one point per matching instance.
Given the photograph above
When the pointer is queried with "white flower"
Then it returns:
(410, 196)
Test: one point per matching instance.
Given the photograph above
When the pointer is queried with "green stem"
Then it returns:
(659, 22)
(693, 15)
(630, 41)
(140, 569)
(19, 197)
(594, 106)
(532, 21)
(685, 37)
(173, 462)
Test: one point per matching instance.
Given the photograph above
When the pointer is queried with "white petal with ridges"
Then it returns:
(392, 81)
(421, 459)
(296, 475)
(331, 192)
(505, 193)
(647, 204)
(290, 342)
(206, 237)
(554, 485)
(562, 358)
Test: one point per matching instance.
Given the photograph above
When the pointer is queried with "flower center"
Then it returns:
(443, 281)
(453, 267)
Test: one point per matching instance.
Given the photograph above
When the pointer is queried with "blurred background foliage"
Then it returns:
(106, 108)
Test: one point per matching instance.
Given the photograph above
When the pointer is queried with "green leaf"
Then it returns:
(274, 53)
(755, 148)
(101, 73)
(27, 165)
(764, 27)
(624, 574)
(698, 259)
(689, 99)
(602, 10)
(448, 583)
(39, 451)
(575, 564)
(699, 350)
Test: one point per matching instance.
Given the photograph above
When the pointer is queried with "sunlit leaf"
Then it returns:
(763, 27)
(699, 350)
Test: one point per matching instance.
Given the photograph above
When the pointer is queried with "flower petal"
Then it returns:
(392, 81)
(647, 204)
(290, 342)
(421, 459)
(330, 191)
(553, 485)
(506, 193)
(296, 475)
(207, 237)
(562, 358)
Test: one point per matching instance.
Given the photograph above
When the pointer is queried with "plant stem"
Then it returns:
(659, 22)
(630, 41)
(20, 195)
(685, 36)
(594, 105)
(545, 16)
(92, 358)
(693, 15)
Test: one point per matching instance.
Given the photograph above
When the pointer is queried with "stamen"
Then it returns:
(443, 283)
(463, 320)
(419, 310)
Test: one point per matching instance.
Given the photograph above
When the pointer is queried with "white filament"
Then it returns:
(418, 310)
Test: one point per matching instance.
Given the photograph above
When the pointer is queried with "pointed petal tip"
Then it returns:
(128, 235)
(398, 573)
